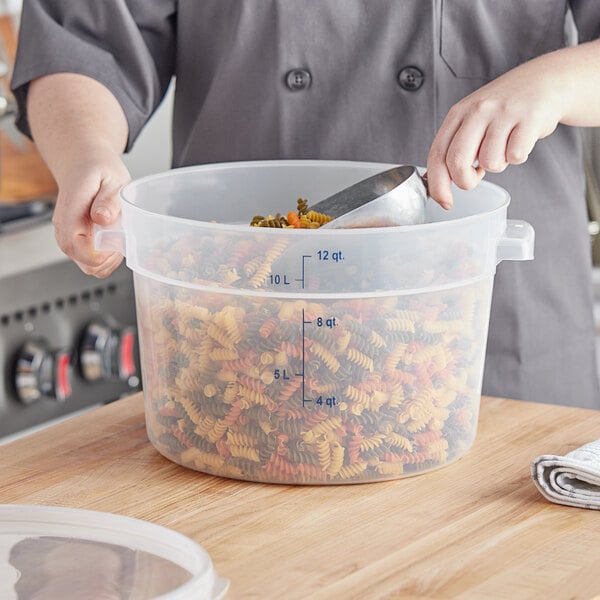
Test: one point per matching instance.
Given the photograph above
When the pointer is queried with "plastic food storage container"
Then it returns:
(309, 356)
(58, 553)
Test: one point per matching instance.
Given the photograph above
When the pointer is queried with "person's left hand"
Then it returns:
(495, 126)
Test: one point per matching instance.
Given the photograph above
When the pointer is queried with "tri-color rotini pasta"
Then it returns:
(302, 389)
(303, 218)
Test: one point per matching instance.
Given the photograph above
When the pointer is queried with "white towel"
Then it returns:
(573, 479)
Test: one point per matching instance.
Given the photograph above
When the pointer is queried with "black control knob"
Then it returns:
(107, 352)
(42, 372)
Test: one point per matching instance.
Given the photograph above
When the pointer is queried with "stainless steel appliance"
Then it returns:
(67, 340)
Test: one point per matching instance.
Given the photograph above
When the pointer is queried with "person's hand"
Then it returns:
(88, 195)
(495, 126)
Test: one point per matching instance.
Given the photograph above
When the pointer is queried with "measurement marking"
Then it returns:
(304, 322)
(301, 279)
(303, 343)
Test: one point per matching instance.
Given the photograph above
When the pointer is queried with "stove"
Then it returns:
(67, 340)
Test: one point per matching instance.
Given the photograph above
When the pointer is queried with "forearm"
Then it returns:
(72, 119)
(81, 131)
(574, 73)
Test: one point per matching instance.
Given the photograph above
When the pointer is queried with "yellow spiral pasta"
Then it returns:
(399, 324)
(254, 396)
(371, 442)
(360, 359)
(322, 428)
(395, 439)
(324, 453)
(253, 265)
(328, 358)
(217, 432)
(337, 460)
(246, 452)
(305, 388)
(351, 471)
(394, 469)
(220, 335)
(223, 354)
(242, 439)
(204, 461)
(317, 217)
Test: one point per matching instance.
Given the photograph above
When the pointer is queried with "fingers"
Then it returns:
(81, 203)
(492, 152)
(453, 157)
(72, 232)
(523, 138)
(476, 139)
(439, 180)
(106, 207)
(463, 154)
(78, 244)
(102, 270)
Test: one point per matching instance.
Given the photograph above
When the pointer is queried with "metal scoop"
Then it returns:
(393, 197)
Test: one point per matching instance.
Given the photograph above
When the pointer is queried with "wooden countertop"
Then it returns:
(23, 174)
(475, 529)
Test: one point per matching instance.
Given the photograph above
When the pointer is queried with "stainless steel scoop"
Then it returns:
(393, 197)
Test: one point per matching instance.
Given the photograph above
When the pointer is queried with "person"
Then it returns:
(466, 88)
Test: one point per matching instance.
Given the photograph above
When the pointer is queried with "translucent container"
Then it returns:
(58, 553)
(309, 356)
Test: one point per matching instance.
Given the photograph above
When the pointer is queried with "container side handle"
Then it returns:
(517, 241)
(110, 238)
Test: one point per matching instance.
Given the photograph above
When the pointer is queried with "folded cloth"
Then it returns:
(573, 479)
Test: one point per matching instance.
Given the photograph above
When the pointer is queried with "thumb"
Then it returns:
(106, 206)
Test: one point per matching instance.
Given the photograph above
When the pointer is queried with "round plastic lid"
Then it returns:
(54, 553)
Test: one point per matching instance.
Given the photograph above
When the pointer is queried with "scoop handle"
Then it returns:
(517, 241)
(110, 238)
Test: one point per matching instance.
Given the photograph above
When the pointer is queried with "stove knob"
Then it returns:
(107, 352)
(42, 372)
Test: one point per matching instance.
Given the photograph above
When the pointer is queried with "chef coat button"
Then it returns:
(298, 79)
(410, 78)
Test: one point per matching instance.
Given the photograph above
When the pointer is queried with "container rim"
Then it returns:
(149, 179)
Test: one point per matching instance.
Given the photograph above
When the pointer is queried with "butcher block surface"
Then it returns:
(477, 528)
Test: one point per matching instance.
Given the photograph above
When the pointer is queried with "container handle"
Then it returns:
(110, 238)
(517, 241)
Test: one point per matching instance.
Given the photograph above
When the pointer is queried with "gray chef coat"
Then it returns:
(362, 80)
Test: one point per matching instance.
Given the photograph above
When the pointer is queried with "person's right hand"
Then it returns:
(88, 195)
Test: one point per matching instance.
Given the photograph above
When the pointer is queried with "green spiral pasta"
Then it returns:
(218, 401)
